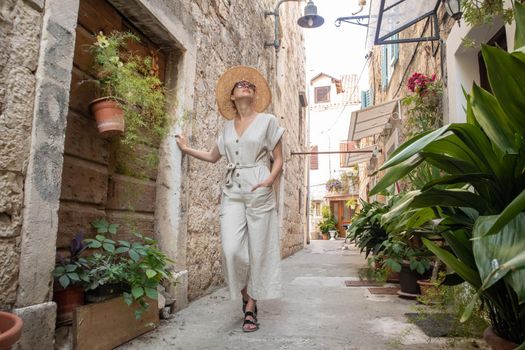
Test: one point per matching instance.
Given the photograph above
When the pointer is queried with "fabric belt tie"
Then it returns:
(231, 167)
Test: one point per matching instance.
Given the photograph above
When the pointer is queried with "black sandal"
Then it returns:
(246, 321)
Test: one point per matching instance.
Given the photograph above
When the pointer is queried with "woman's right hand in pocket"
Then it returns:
(182, 142)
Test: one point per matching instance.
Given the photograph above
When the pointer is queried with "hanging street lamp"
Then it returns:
(310, 20)
(453, 8)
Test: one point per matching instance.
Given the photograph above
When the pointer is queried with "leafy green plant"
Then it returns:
(140, 265)
(477, 12)
(424, 104)
(482, 219)
(366, 229)
(327, 223)
(131, 80)
(71, 270)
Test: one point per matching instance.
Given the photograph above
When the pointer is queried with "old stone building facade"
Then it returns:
(390, 67)
(40, 207)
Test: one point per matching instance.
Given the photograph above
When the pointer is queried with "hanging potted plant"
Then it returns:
(132, 98)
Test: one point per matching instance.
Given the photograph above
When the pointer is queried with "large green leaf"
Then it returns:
(469, 275)
(457, 179)
(479, 144)
(412, 147)
(519, 15)
(450, 165)
(396, 172)
(501, 255)
(450, 198)
(493, 120)
(513, 209)
(461, 246)
(509, 91)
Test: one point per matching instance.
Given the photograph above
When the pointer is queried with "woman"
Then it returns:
(249, 229)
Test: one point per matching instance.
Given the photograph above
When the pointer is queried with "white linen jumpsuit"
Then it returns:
(249, 227)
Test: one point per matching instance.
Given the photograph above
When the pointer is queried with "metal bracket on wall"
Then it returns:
(357, 20)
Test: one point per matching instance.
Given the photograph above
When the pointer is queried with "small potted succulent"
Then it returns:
(70, 279)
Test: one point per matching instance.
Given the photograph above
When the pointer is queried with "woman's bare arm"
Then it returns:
(209, 156)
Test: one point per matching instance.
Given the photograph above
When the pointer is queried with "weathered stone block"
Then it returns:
(127, 193)
(9, 257)
(39, 326)
(11, 199)
(84, 181)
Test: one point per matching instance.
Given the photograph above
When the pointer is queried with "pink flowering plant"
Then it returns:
(424, 104)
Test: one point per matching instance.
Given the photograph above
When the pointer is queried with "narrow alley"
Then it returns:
(317, 312)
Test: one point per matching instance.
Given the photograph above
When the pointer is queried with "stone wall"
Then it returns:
(20, 25)
(231, 33)
(224, 33)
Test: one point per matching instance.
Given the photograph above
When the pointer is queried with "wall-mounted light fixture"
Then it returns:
(310, 20)
(453, 8)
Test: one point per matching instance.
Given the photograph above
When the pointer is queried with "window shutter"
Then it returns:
(395, 47)
(314, 159)
(363, 99)
(384, 67)
(343, 146)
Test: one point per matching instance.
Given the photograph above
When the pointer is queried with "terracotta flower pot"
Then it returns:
(496, 342)
(67, 300)
(109, 116)
(10, 329)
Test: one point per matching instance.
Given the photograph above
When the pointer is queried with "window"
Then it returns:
(322, 94)
(389, 58)
(300, 135)
(314, 159)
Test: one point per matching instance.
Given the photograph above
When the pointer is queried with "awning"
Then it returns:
(356, 158)
(371, 120)
(389, 17)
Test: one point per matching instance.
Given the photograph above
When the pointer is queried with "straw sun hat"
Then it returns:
(226, 82)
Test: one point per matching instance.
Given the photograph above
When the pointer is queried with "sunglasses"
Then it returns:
(244, 84)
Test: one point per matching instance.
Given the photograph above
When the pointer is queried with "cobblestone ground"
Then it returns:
(317, 312)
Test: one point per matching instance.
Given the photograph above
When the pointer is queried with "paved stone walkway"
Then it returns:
(317, 312)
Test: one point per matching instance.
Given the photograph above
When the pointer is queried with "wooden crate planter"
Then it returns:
(111, 323)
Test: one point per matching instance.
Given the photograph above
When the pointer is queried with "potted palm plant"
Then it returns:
(132, 96)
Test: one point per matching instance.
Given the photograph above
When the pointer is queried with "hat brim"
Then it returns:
(225, 84)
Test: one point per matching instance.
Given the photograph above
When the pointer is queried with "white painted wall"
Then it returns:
(462, 63)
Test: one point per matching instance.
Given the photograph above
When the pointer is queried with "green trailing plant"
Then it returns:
(476, 12)
(482, 219)
(131, 80)
(140, 265)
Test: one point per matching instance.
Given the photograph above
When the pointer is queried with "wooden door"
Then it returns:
(100, 178)
(342, 214)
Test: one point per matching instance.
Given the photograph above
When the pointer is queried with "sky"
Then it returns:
(336, 50)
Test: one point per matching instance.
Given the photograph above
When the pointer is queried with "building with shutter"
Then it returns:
(332, 101)
(380, 124)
